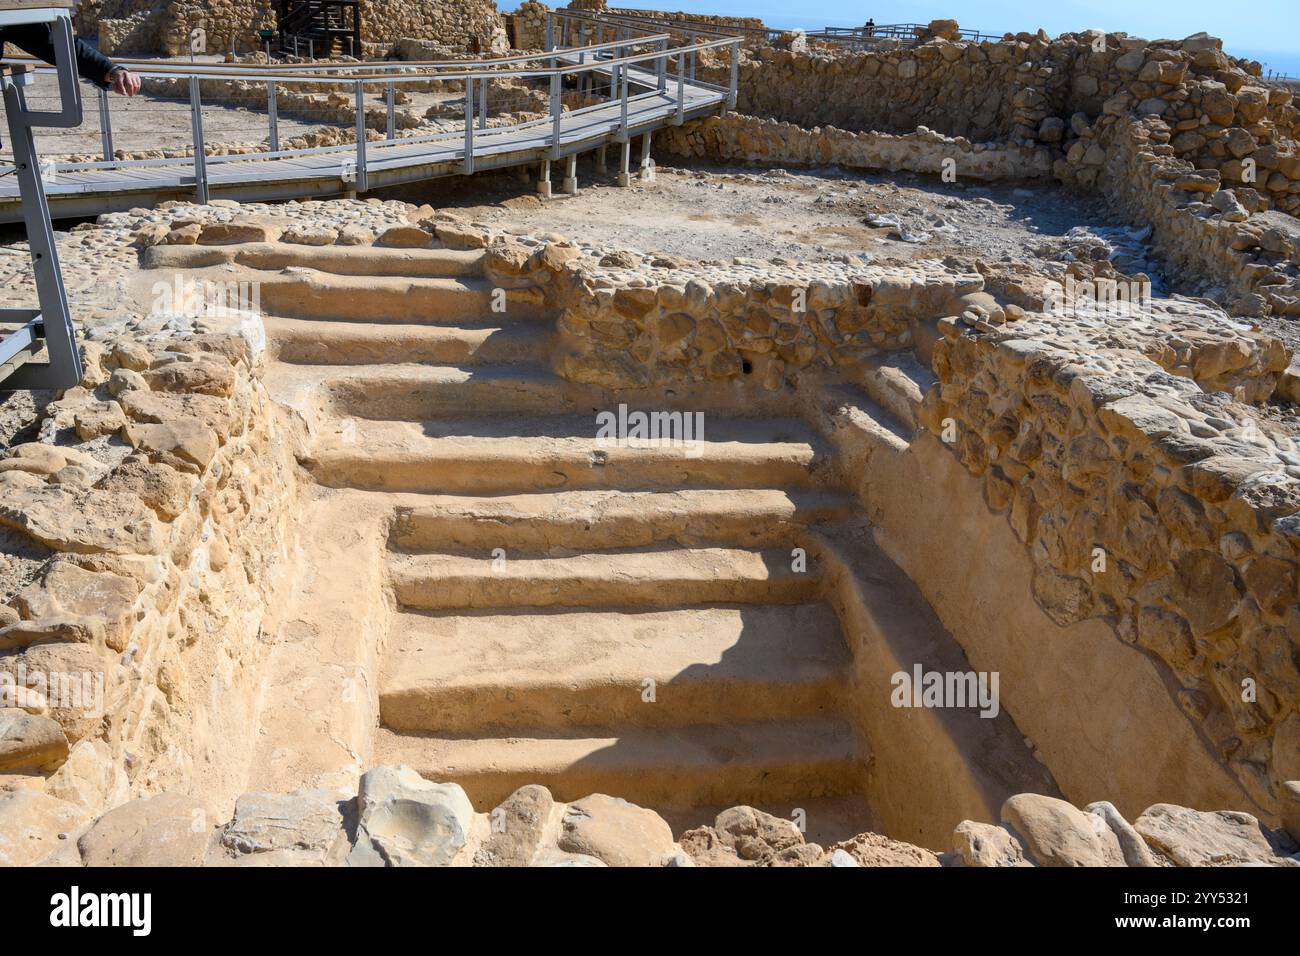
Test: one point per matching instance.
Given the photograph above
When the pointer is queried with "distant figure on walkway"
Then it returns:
(870, 28)
(34, 39)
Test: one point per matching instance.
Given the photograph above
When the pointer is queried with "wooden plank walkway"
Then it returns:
(332, 171)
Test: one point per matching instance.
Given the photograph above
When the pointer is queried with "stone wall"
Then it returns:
(959, 89)
(733, 137)
(163, 26)
(156, 514)
(528, 25)
(1169, 512)
(1213, 236)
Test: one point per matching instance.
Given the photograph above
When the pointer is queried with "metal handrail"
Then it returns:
(50, 324)
(894, 31)
(419, 77)
(406, 70)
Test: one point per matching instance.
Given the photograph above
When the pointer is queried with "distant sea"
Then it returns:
(1279, 61)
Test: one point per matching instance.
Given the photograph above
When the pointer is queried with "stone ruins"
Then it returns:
(422, 529)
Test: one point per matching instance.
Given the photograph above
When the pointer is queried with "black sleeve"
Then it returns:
(34, 39)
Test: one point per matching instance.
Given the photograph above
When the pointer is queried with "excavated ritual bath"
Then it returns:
(492, 594)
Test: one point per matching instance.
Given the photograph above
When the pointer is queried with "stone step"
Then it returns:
(593, 519)
(311, 342)
(419, 393)
(309, 294)
(340, 260)
(701, 765)
(493, 672)
(662, 578)
(561, 452)
(897, 382)
(858, 426)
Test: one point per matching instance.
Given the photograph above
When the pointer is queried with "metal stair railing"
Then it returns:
(50, 325)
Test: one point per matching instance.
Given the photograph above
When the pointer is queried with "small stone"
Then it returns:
(1200, 838)
(616, 832)
(30, 743)
(125, 379)
(33, 825)
(516, 828)
(98, 419)
(307, 822)
(983, 844)
(1056, 833)
(90, 778)
(405, 820)
(169, 829)
(355, 236)
(180, 443)
(1289, 808)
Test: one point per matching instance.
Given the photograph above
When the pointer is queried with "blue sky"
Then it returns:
(1265, 30)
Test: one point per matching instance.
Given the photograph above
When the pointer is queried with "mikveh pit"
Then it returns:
(898, 467)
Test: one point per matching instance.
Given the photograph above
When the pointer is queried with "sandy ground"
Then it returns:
(720, 213)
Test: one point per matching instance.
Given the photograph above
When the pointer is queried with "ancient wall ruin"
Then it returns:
(1095, 502)
(164, 26)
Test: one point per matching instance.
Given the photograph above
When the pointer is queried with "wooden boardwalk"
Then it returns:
(88, 189)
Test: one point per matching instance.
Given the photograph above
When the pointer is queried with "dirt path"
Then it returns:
(721, 213)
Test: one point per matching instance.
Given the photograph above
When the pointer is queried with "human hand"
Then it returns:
(123, 81)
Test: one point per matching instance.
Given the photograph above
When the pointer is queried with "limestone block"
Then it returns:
(31, 824)
(29, 742)
(1200, 838)
(616, 832)
(404, 820)
(169, 829)
(1055, 833)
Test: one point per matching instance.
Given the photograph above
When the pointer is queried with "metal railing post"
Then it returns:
(550, 31)
(272, 116)
(557, 111)
(467, 163)
(735, 74)
(661, 65)
(196, 128)
(105, 126)
(390, 101)
(622, 115)
(614, 72)
(363, 183)
(482, 101)
(681, 89)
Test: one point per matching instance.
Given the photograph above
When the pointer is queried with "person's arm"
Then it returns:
(34, 39)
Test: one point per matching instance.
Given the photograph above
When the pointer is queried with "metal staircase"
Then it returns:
(319, 28)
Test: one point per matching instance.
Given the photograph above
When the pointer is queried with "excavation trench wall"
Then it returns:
(162, 526)
(1123, 516)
